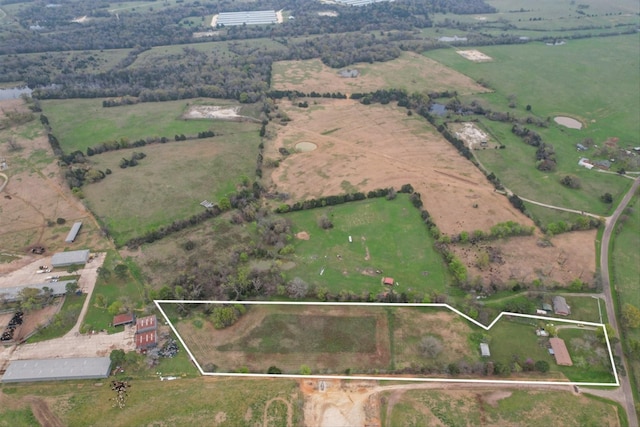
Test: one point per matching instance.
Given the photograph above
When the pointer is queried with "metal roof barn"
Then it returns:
(13, 293)
(65, 259)
(258, 17)
(360, 2)
(73, 232)
(57, 369)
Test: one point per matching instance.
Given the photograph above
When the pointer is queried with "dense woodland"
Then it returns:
(376, 32)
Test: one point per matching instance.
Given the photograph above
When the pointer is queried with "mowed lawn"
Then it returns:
(82, 123)
(171, 181)
(388, 239)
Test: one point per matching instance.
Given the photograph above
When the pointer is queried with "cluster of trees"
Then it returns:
(343, 198)
(132, 161)
(498, 231)
(226, 315)
(581, 223)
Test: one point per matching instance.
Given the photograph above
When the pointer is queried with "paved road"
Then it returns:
(606, 288)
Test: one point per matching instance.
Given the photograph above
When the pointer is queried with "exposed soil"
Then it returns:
(571, 257)
(425, 74)
(474, 55)
(37, 194)
(378, 146)
(303, 235)
(215, 112)
(43, 413)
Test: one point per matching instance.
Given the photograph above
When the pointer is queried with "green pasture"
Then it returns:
(516, 167)
(18, 418)
(593, 80)
(82, 123)
(171, 181)
(151, 402)
(585, 308)
(128, 290)
(62, 321)
(547, 215)
(390, 232)
(326, 334)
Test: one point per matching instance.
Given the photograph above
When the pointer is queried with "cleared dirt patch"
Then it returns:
(474, 55)
(212, 112)
(571, 257)
(303, 235)
(473, 137)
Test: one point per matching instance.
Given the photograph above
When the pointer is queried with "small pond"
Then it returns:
(13, 92)
(438, 109)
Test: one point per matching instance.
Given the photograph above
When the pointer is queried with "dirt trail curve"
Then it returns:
(606, 288)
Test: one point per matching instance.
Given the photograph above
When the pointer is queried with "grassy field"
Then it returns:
(196, 401)
(508, 407)
(82, 123)
(112, 288)
(541, 186)
(589, 356)
(573, 74)
(63, 321)
(387, 236)
(411, 72)
(164, 186)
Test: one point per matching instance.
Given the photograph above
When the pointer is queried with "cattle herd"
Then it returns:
(15, 321)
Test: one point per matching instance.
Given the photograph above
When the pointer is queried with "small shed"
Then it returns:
(484, 350)
(388, 281)
(65, 259)
(146, 340)
(123, 319)
(547, 307)
(560, 352)
(73, 232)
(560, 306)
(147, 323)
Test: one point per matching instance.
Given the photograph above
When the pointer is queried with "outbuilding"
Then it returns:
(78, 368)
(147, 323)
(73, 233)
(146, 340)
(560, 352)
(484, 350)
(65, 259)
(123, 319)
(388, 281)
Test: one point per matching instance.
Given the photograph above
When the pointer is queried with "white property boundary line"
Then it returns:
(379, 378)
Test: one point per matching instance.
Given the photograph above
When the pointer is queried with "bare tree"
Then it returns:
(430, 346)
(297, 288)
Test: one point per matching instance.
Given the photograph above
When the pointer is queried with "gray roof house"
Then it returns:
(560, 306)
